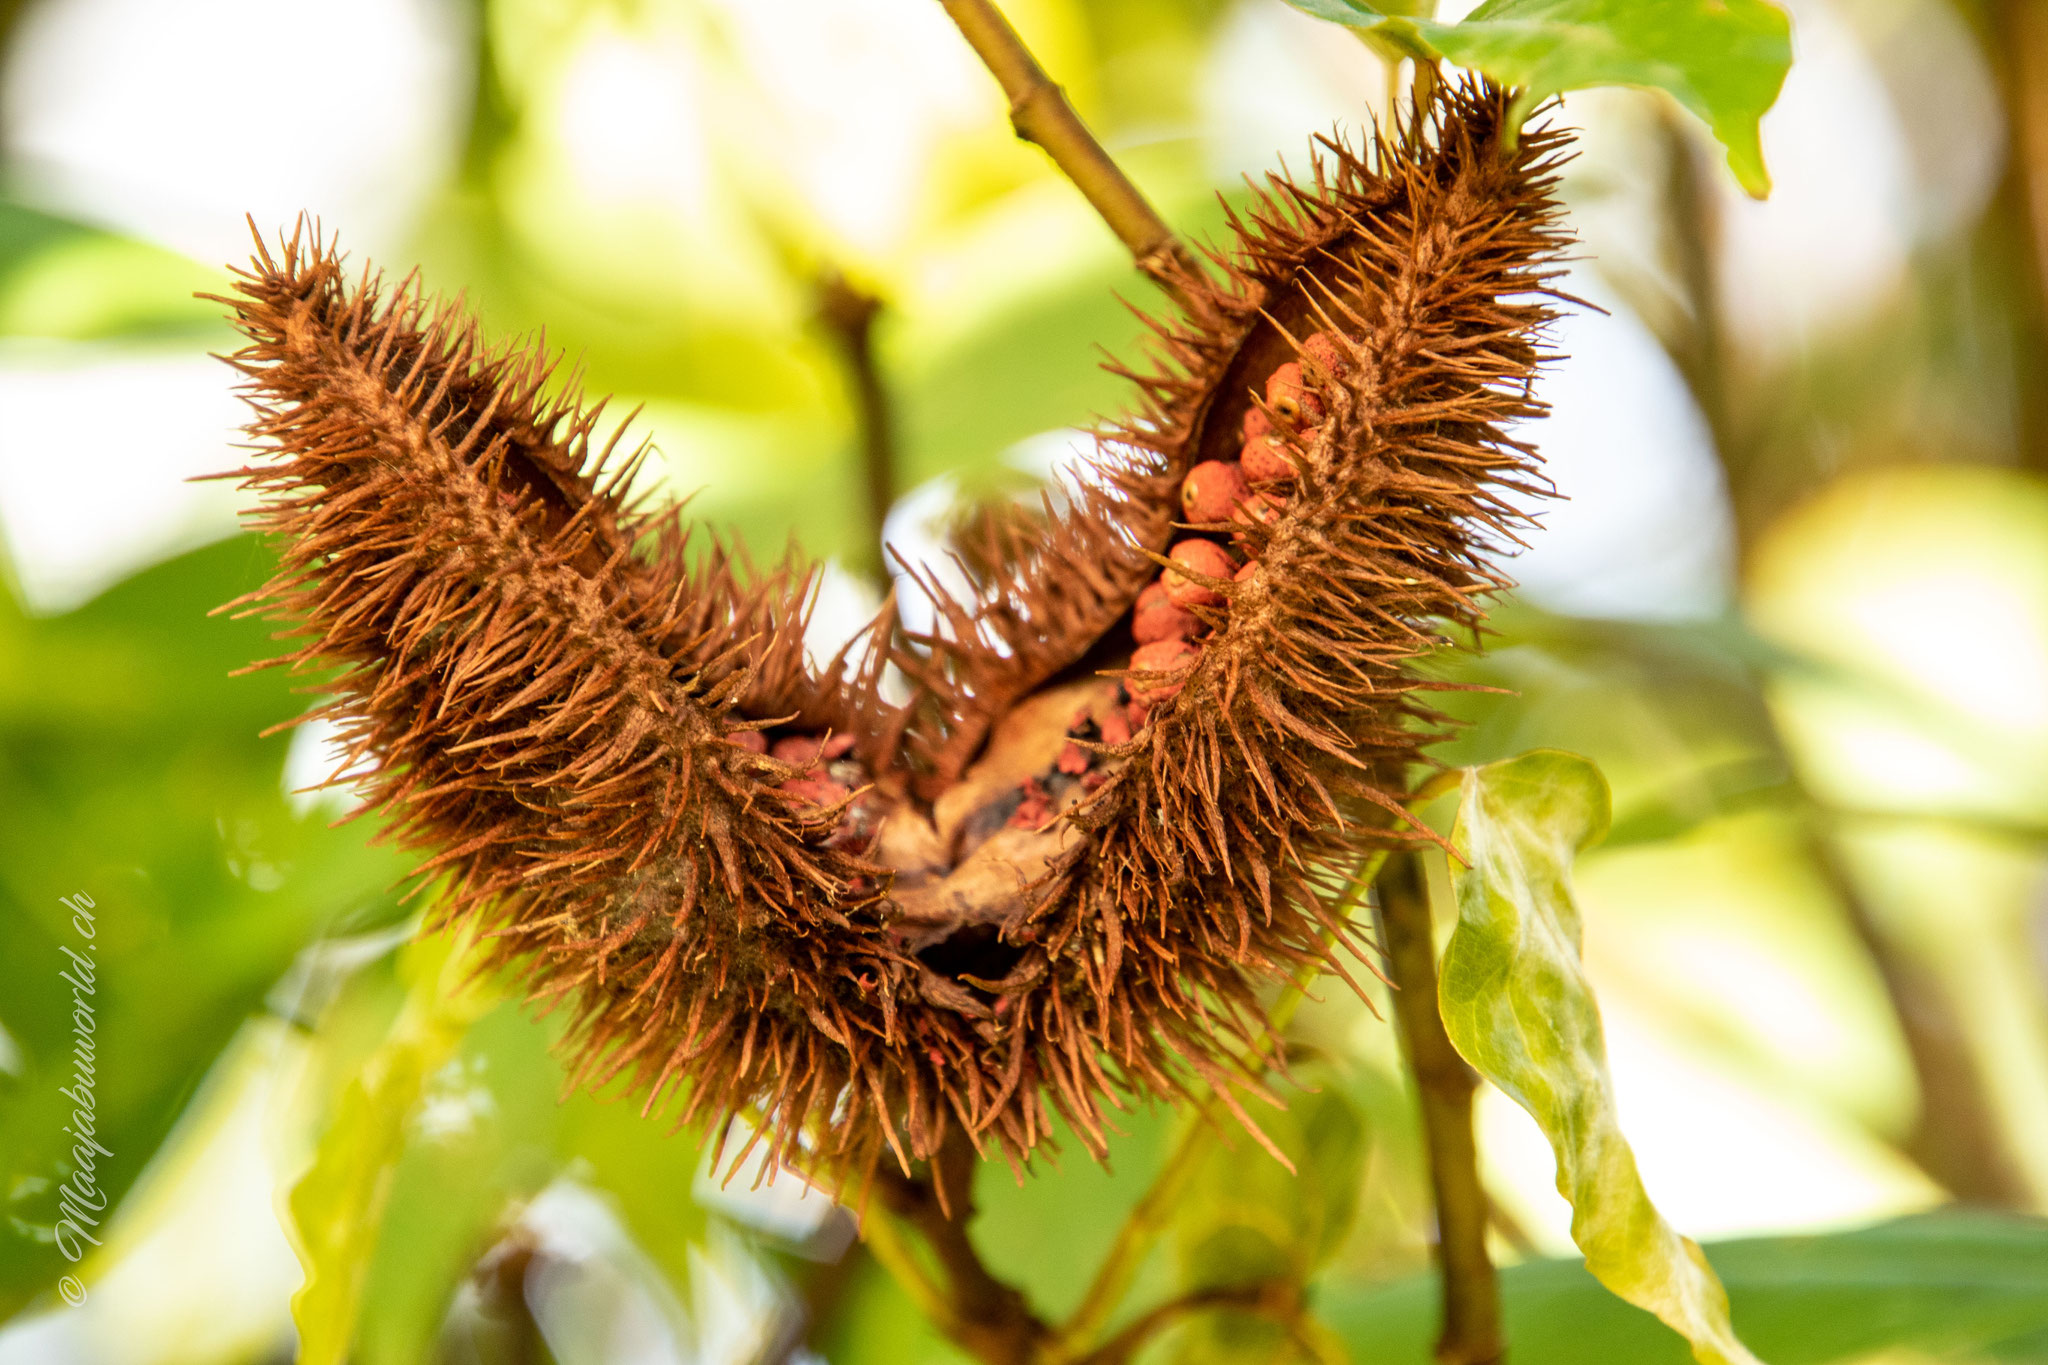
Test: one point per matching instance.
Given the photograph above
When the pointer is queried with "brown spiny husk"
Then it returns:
(1051, 880)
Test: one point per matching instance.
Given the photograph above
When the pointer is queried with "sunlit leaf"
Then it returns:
(337, 1206)
(1517, 1004)
(1725, 60)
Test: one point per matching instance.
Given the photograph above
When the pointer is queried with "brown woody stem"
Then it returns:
(1444, 1085)
(986, 1317)
(848, 314)
(1040, 113)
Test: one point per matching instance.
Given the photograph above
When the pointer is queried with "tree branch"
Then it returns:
(1444, 1085)
(1040, 113)
(848, 314)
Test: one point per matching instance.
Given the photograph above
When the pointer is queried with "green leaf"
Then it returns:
(337, 1207)
(1956, 1285)
(1725, 60)
(1517, 1004)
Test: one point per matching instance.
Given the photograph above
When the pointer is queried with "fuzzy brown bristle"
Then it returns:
(549, 692)
(1131, 775)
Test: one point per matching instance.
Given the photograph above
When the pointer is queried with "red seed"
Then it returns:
(837, 747)
(1211, 491)
(1159, 658)
(815, 791)
(1116, 727)
(1035, 809)
(1265, 461)
(1291, 398)
(1256, 422)
(1073, 760)
(753, 741)
(1328, 352)
(1251, 567)
(1204, 557)
(1156, 618)
(799, 751)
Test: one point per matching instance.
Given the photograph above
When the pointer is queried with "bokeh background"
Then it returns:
(1794, 602)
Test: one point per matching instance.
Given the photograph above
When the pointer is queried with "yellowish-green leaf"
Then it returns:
(337, 1206)
(1517, 1004)
(1725, 60)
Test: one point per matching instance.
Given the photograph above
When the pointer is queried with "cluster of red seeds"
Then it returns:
(1176, 611)
(826, 774)
(1110, 722)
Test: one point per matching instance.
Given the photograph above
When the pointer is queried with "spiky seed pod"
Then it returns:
(1277, 752)
(1033, 888)
(573, 729)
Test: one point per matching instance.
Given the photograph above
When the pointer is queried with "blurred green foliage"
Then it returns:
(134, 772)
(417, 1125)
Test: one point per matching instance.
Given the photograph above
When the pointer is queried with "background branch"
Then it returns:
(848, 314)
(1957, 1138)
(1444, 1086)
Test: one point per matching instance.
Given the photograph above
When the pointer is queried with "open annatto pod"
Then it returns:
(1054, 878)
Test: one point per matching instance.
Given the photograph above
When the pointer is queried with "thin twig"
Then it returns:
(1142, 1227)
(1040, 113)
(1277, 1299)
(985, 1316)
(1444, 1085)
(1148, 1218)
(848, 313)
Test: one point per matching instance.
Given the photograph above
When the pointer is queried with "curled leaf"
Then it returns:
(1517, 1004)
